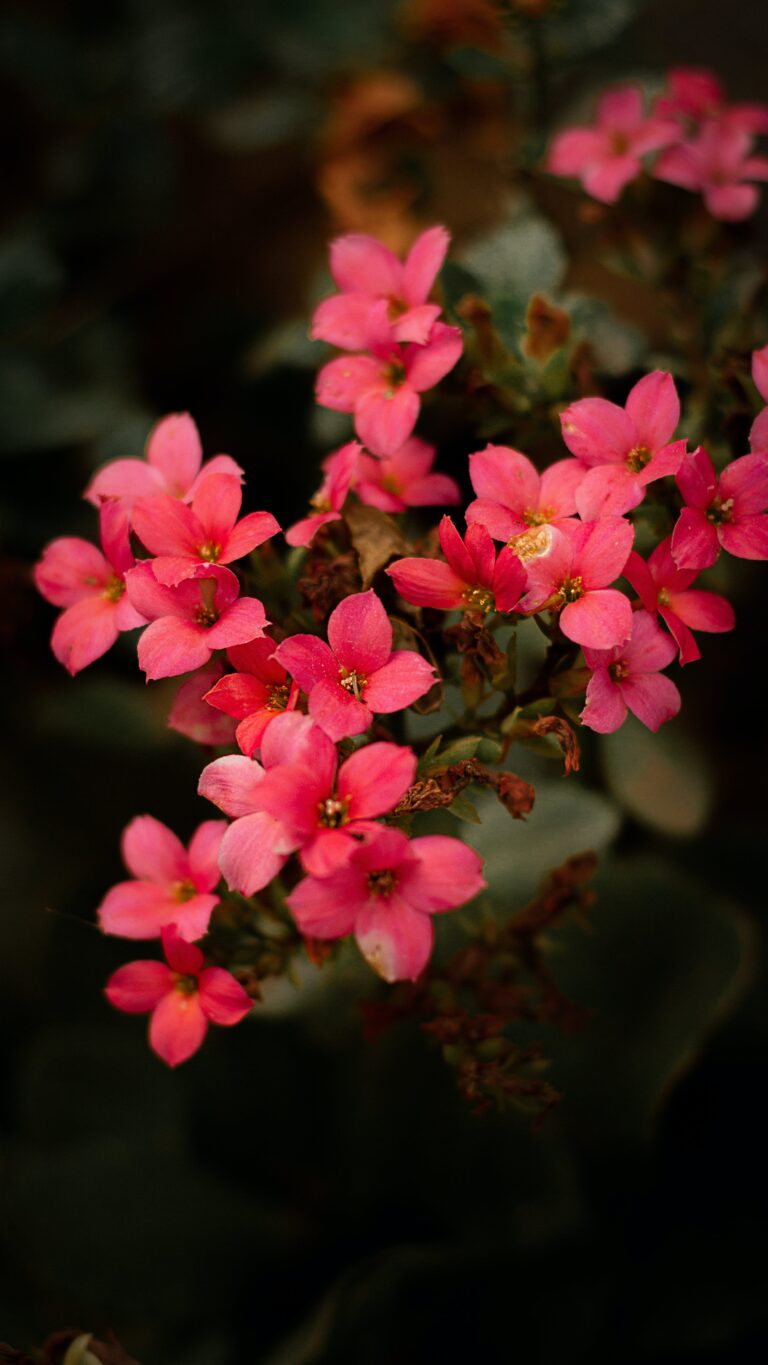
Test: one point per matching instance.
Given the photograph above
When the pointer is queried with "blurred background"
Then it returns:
(296, 1195)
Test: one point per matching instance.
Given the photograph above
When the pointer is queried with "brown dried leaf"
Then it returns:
(376, 538)
(548, 329)
(565, 736)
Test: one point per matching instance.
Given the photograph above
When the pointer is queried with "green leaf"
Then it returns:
(464, 809)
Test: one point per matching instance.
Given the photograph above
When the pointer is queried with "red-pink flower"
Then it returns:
(473, 579)
(172, 466)
(366, 272)
(340, 469)
(758, 436)
(183, 997)
(405, 479)
(386, 894)
(666, 589)
(625, 448)
(696, 95)
(726, 513)
(628, 678)
(172, 884)
(357, 674)
(90, 586)
(205, 531)
(716, 163)
(512, 496)
(382, 389)
(572, 577)
(193, 619)
(608, 155)
(190, 714)
(258, 692)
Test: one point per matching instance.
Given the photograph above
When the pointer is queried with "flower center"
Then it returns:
(206, 616)
(570, 590)
(277, 697)
(320, 503)
(114, 589)
(638, 458)
(352, 682)
(619, 670)
(333, 812)
(396, 308)
(663, 598)
(382, 883)
(209, 552)
(183, 891)
(478, 599)
(720, 511)
(531, 544)
(185, 985)
(393, 375)
(534, 518)
(619, 143)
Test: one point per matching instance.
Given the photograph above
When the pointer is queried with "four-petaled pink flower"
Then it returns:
(666, 589)
(258, 692)
(572, 577)
(183, 997)
(628, 678)
(386, 894)
(758, 436)
(356, 674)
(90, 586)
(716, 163)
(626, 448)
(512, 497)
(474, 579)
(193, 619)
(173, 885)
(340, 469)
(608, 155)
(205, 531)
(366, 272)
(405, 479)
(727, 513)
(172, 466)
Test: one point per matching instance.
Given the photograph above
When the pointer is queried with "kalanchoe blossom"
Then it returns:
(183, 997)
(256, 693)
(665, 589)
(716, 164)
(193, 619)
(172, 884)
(608, 155)
(382, 389)
(624, 449)
(758, 436)
(206, 531)
(474, 579)
(573, 577)
(340, 470)
(366, 272)
(512, 497)
(726, 513)
(191, 716)
(628, 678)
(90, 586)
(386, 894)
(173, 466)
(357, 674)
(695, 95)
(405, 479)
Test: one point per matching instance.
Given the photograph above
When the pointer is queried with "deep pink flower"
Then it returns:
(258, 692)
(626, 448)
(172, 466)
(90, 586)
(206, 531)
(382, 389)
(758, 436)
(190, 714)
(665, 589)
(696, 95)
(474, 579)
(357, 674)
(572, 577)
(183, 997)
(193, 619)
(606, 156)
(512, 496)
(386, 894)
(726, 513)
(366, 272)
(340, 469)
(716, 163)
(628, 677)
(404, 479)
(173, 885)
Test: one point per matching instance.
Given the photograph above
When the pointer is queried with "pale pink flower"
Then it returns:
(366, 272)
(340, 469)
(386, 894)
(628, 678)
(90, 586)
(205, 531)
(572, 577)
(183, 997)
(626, 448)
(357, 674)
(726, 513)
(512, 496)
(474, 579)
(694, 94)
(258, 692)
(191, 620)
(608, 155)
(666, 589)
(172, 884)
(172, 465)
(758, 436)
(716, 163)
(191, 716)
(405, 479)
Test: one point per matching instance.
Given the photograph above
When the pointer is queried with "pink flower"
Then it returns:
(357, 674)
(190, 715)
(716, 163)
(665, 589)
(90, 586)
(256, 693)
(204, 532)
(173, 885)
(172, 466)
(386, 894)
(405, 479)
(726, 513)
(193, 619)
(758, 436)
(628, 677)
(607, 156)
(572, 577)
(512, 496)
(627, 448)
(382, 389)
(697, 95)
(474, 578)
(183, 997)
(366, 272)
(340, 468)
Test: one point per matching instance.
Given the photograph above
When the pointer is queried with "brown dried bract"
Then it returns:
(566, 738)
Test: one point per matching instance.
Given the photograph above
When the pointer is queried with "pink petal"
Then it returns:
(222, 998)
(192, 716)
(652, 697)
(220, 464)
(423, 264)
(308, 660)
(427, 365)
(183, 957)
(427, 583)
(601, 549)
(760, 371)
(503, 475)
(509, 580)
(327, 851)
(546, 572)
(498, 521)
(620, 108)
(250, 532)
(557, 490)
(327, 908)
(606, 709)
(155, 600)
(456, 552)
(152, 852)
(482, 552)
(238, 694)
(361, 264)
(216, 504)
(249, 856)
(746, 481)
(703, 610)
(138, 986)
(688, 650)
(359, 633)
(404, 678)
(446, 873)
(294, 739)
(696, 479)
(174, 449)
(70, 570)
(166, 526)
(638, 574)
(394, 939)
(608, 490)
(124, 479)
(653, 134)
(650, 647)
(654, 408)
(679, 166)
(606, 179)
(238, 625)
(341, 382)
(375, 777)
(599, 620)
(597, 432)
(138, 910)
(177, 1027)
(666, 461)
(731, 204)
(385, 417)
(434, 490)
(747, 539)
(114, 530)
(169, 647)
(694, 540)
(758, 436)
(204, 852)
(303, 532)
(416, 324)
(251, 730)
(338, 712)
(342, 320)
(84, 632)
(232, 783)
(574, 149)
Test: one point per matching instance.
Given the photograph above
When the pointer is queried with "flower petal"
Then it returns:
(427, 365)
(84, 632)
(597, 432)
(747, 539)
(177, 1027)
(337, 712)
(385, 417)
(394, 939)
(361, 264)
(423, 263)
(174, 449)
(138, 986)
(204, 853)
(446, 873)
(70, 570)
(152, 852)
(375, 777)
(327, 907)
(232, 784)
(606, 709)
(341, 383)
(169, 647)
(654, 408)
(309, 660)
(405, 677)
(599, 620)
(222, 998)
(694, 540)
(249, 856)
(427, 583)
(359, 633)
(652, 697)
(601, 549)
